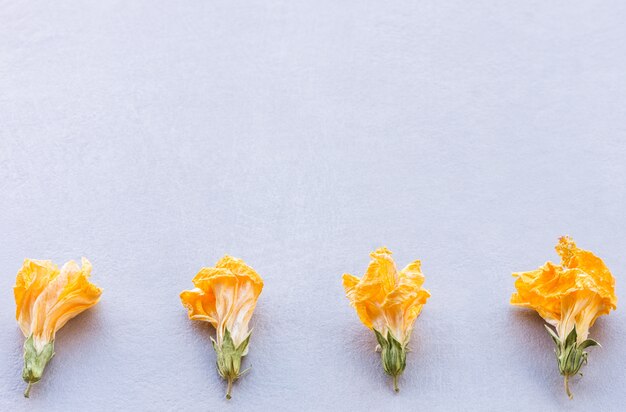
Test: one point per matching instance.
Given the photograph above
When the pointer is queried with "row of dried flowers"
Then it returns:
(569, 296)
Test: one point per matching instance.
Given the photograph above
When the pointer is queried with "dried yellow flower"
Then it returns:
(46, 299)
(570, 297)
(388, 302)
(225, 296)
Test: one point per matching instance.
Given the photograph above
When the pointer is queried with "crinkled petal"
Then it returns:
(370, 313)
(77, 295)
(386, 300)
(200, 305)
(404, 304)
(588, 263)
(576, 292)
(240, 269)
(541, 290)
(225, 296)
(31, 281)
(69, 294)
(47, 298)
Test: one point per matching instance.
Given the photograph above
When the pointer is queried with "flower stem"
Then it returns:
(27, 391)
(566, 383)
(229, 388)
(395, 383)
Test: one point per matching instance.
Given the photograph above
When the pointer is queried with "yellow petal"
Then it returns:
(386, 300)
(225, 296)
(404, 304)
(576, 292)
(200, 305)
(239, 268)
(368, 312)
(381, 275)
(47, 298)
(540, 290)
(31, 280)
(77, 295)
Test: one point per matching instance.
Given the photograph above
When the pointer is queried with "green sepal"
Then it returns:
(35, 362)
(570, 356)
(553, 334)
(229, 358)
(381, 340)
(571, 338)
(393, 355)
(589, 343)
(243, 346)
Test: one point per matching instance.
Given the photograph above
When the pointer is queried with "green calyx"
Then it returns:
(229, 359)
(35, 362)
(393, 355)
(570, 355)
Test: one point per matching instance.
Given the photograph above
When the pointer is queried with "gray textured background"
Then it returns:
(154, 138)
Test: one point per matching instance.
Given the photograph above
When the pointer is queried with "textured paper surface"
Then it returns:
(154, 138)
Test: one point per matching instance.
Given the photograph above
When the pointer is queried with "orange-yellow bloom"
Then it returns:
(225, 296)
(46, 299)
(388, 302)
(570, 297)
